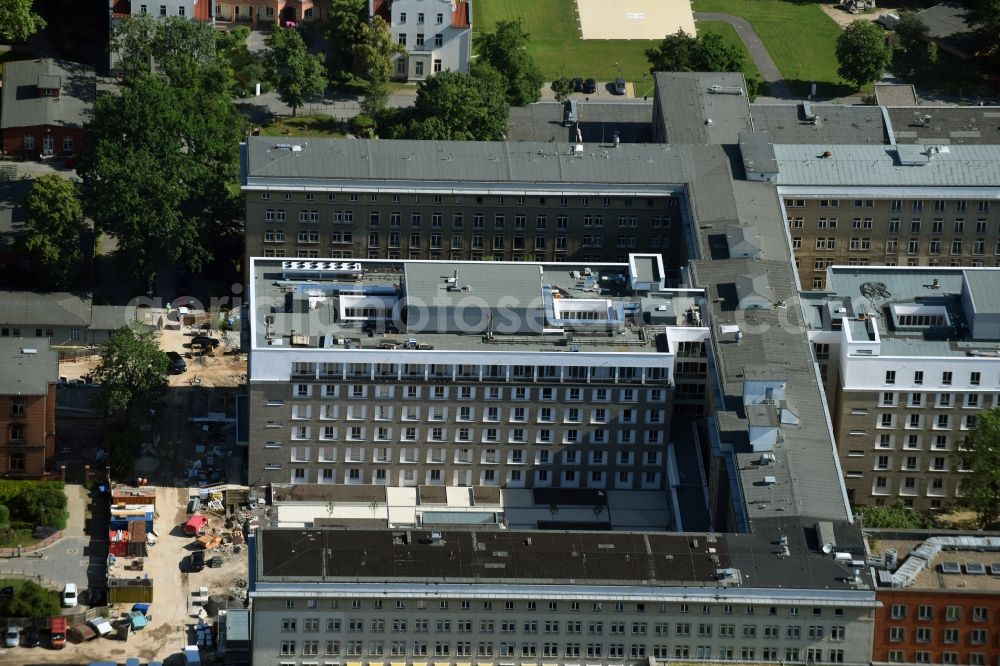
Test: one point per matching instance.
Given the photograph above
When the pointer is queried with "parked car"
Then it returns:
(204, 341)
(177, 363)
(578, 85)
(69, 595)
(194, 505)
(590, 86)
(57, 633)
(197, 560)
(31, 638)
(619, 88)
(12, 637)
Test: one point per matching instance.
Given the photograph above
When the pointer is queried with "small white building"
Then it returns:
(437, 35)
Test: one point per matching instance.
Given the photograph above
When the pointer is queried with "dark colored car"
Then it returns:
(197, 560)
(7, 592)
(590, 86)
(204, 341)
(578, 85)
(619, 88)
(177, 363)
(31, 638)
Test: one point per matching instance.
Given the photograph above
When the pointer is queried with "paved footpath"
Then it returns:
(755, 47)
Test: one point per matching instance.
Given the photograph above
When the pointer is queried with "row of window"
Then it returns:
(949, 636)
(863, 244)
(478, 255)
(592, 627)
(926, 612)
(47, 143)
(383, 455)
(541, 436)
(515, 478)
(471, 373)
(924, 657)
(520, 220)
(556, 649)
(860, 223)
(459, 200)
(896, 205)
(437, 242)
(573, 606)
(468, 414)
(975, 378)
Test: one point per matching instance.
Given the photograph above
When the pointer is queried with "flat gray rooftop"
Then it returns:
(880, 166)
(270, 162)
(598, 122)
(27, 366)
(835, 124)
(951, 125)
(305, 306)
(548, 557)
(692, 115)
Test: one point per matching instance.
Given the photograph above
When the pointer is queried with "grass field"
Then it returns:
(798, 35)
(555, 43)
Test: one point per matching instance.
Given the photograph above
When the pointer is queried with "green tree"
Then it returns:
(862, 53)
(246, 67)
(163, 182)
(17, 21)
(459, 107)
(505, 49)
(980, 453)
(296, 74)
(4, 517)
(343, 26)
(897, 516)
(132, 373)
(54, 228)
(374, 53)
(41, 505)
(33, 601)
(178, 47)
(707, 52)
(562, 86)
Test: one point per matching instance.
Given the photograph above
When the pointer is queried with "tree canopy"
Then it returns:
(18, 21)
(980, 453)
(54, 228)
(296, 74)
(343, 26)
(458, 107)
(897, 516)
(34, 601)
(984, 17)
(862, 53)
(708, 52)
(132, 372)
(161, 182)
(178, 47)
(374, 53)
(505, 49)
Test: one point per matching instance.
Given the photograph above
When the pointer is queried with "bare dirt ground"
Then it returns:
(217, 369)
(167, 564)
(844, 18)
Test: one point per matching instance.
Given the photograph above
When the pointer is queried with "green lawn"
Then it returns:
(798, 35)
(316, 125)
(555, 43)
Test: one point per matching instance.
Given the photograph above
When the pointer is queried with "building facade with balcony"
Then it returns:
(29, 370)
(289, 13)
(909, 360)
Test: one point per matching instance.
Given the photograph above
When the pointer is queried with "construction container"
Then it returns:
(133, 496)
(118, 543)
(136, 539)
(130, 590)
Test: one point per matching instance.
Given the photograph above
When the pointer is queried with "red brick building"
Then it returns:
(29, 370)
(45, 106)
(949, 612)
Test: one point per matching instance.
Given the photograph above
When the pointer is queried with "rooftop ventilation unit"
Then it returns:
(995, 569)
(975, 568)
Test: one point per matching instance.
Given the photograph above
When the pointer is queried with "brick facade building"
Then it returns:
(28, 374)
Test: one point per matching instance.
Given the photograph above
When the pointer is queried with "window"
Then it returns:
(890, 376)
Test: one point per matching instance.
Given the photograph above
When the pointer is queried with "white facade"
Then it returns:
(437, 35)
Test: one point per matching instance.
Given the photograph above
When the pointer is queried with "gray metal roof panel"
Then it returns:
(692, 115)
(598, 122)
(268, 163)
(946, 124)
(22, 107)
(874, 166)
(27, 373)
(26, 308)
(985, 290)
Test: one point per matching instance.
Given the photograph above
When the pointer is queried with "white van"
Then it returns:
(69, 595)
(569, 112)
